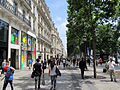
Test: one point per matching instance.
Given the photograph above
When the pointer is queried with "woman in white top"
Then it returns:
(52, 73)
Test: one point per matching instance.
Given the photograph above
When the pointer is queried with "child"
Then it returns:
(8, 76)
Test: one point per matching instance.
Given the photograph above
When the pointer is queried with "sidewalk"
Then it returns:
(102, 82)
(70, 80)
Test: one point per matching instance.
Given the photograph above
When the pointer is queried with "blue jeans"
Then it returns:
(53, 81)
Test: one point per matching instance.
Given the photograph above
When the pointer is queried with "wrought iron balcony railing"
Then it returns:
(13, 10)
(45, 39)
(28, 2)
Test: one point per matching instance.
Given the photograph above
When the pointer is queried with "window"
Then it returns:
(29, 43)
(14, 36)
(23, 15)
(33, 44)
(34, 10)
(34, 25)
(29, 20)
(15, 7)
(3, 31)
(38, 45)
(24, 41)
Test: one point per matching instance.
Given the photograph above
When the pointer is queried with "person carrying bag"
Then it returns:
(53, 73)
(37, 71)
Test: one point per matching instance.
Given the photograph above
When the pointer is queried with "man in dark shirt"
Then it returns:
(82, 66)
(37, 69)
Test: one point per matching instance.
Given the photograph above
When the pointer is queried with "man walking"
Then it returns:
(8, 76)
(3, 65)
(82, 66)
(111, 66)
(37, 69)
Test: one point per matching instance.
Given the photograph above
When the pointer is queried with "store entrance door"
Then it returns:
(29, 57)
(13, 58)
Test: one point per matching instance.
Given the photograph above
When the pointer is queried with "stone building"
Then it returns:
(26, 32)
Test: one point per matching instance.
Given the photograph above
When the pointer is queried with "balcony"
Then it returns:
(11, 9)
(28, 2)
(44, 39)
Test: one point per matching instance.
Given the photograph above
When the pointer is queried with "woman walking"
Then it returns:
(52, 73)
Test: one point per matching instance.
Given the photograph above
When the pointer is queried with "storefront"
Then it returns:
(28, 50)
(14, 48)
(23, 49)
(4, 27)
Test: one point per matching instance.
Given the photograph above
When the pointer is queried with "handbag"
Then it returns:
(43, 80)
(32, 75)
(58, 72)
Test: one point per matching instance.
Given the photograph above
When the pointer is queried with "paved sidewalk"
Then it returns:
(70, 80)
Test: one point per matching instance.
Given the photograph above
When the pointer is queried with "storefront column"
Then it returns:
(37, 49)
(20, 50)
(9, 42)
(43, 52)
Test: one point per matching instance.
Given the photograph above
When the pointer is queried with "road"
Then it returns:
(70, 80)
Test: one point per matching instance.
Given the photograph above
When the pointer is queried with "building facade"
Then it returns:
(26, 32)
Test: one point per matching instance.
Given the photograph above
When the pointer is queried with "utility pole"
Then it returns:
(93, 41)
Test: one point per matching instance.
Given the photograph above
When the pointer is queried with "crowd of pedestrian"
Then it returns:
(53, 65)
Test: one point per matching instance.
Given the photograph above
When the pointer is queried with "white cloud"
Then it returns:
(58, 18)
(62, 31)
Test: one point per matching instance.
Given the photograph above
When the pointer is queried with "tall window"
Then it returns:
(29, 20)
(34, 25)
(23, 15)
(14, 36)
(15, 7)
(24, 41)
(29, 43)
(34, 10)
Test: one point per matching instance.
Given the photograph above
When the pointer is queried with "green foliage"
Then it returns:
(100, 15)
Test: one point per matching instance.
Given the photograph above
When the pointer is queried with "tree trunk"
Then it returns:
(93, 42)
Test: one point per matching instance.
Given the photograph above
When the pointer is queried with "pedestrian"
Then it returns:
(74, 61)
(111, 67)
(45, 63)
(101, 61)
(88, 60)
(9, 71)
(64, 63)
(49, 60)
(53, 75)
(82, 66)
(37, 69)
(30, 63)
(3, 65)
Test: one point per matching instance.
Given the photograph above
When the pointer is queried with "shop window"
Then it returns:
(3, 31)
(29, 43)
(14, 36)
(24, 41)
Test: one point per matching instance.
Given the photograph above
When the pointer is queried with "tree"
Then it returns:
(85, 16)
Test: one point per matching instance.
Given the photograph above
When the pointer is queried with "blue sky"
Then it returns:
(58, 9)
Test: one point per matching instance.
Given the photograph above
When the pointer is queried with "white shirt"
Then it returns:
(63, 61)
(111, 65)
(52, 71)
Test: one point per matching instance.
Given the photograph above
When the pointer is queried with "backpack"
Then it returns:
(8, 73)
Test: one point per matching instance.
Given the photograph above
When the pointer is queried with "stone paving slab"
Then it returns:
(70, 80)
